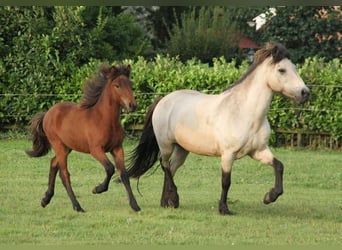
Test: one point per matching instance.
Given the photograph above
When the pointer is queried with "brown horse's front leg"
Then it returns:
(275, 192)
(118, 155)
(103, 187)
(101, 156)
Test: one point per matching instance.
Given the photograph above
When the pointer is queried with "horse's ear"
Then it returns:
(275, 51)
(128, 71)
(279, 52)
(113, 70)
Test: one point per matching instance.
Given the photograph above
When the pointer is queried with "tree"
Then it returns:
(203, 33)
(306, 31)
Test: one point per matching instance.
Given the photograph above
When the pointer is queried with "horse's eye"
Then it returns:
(117, 86)
(282, 71)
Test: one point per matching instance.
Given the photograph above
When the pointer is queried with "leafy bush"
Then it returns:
(204, 33)
(164, 74)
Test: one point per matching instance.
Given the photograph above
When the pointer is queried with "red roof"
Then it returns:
(246, 43)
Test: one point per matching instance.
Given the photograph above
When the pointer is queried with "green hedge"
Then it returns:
(153, 78)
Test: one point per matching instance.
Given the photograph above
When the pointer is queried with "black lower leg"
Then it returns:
(125, 180)
(223, 207)
(51, 184)
(65, 177)
(103, 187)
(275, 192)
(170, 196)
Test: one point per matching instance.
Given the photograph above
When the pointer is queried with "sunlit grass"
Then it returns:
(308, 213)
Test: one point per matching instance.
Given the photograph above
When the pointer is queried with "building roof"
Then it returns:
(246, 43)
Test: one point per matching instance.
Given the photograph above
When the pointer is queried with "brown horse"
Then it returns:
(92, 126)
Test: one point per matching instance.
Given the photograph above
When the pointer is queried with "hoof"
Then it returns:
(79, 209)
(43, 203)
(167, 202)
(136, 208)
(223, 209)
(99, 189)
(271, 196)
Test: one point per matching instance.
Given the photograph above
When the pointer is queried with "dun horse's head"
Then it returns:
(121, 87)
(283, 76)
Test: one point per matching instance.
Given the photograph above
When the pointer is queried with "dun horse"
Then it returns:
(93, 127)
(231, 125)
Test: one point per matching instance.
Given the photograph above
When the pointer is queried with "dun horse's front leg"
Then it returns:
(226, 162)
(266, 156)
(275, 192)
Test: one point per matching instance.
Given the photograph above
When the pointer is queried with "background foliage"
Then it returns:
(46, 53)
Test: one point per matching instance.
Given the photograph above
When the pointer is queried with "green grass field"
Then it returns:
(308, 213)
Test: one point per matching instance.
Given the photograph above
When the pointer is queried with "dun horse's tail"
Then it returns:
(143, 157)
(41, 144)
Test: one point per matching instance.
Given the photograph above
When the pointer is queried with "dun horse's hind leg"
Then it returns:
(170, 196)
(51, 185)
(267, 157)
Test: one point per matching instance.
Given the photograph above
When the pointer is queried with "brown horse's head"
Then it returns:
(110, 82)
(121, 87)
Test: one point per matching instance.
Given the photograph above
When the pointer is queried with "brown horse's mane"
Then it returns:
(95, 86)
(276, 50)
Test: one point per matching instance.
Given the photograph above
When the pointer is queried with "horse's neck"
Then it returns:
(108, 107)
(254, 96)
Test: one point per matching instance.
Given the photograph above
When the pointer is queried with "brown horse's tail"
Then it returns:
(41, 144)
(146, 153)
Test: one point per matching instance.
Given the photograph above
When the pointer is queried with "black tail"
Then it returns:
(143, 157)
(41, 144)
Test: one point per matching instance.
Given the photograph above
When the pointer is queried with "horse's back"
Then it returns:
(207, 124)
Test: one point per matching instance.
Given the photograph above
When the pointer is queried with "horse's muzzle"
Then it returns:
(131, 107)
(305, 94)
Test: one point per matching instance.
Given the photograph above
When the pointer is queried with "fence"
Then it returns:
(280, 137)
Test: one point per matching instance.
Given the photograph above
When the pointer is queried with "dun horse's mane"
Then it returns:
(276, 50)
(95, 86)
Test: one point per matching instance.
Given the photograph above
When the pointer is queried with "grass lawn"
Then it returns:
(308, 213)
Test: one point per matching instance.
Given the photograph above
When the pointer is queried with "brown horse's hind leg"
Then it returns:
(118, 155)
(65, 177)
(51, 185)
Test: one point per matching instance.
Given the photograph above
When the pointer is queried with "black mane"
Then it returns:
(95, 86)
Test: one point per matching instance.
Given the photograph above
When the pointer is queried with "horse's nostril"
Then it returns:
(305, 93)
(132, 106)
